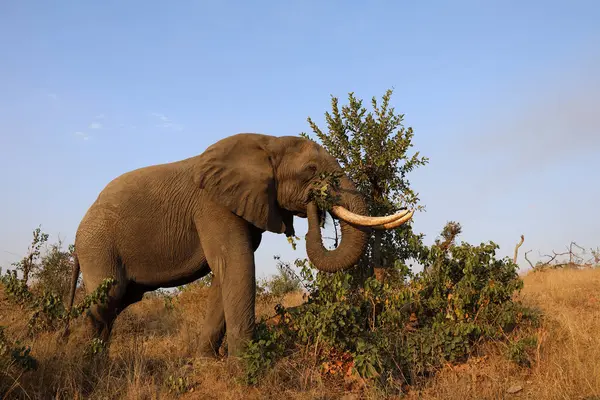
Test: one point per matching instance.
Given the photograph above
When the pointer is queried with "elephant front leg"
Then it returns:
(238, 292)
(213, 330)
(228, 247)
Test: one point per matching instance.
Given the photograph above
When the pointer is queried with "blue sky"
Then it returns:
(503, 97)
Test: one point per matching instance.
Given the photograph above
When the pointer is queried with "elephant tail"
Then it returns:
(74, 278)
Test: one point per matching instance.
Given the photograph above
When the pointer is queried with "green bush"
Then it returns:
(203, 282)
(16, 289)
(12, 353)
(42, 270)
(31, 262)
(15, 359)
(520, 350)
(54, 271)
(51, 271)
(398, 331)
(284, 282)
(48, 313)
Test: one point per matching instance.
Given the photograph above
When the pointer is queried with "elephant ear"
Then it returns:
(237, 173)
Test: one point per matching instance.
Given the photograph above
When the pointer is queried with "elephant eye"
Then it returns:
(312, 169)
(308, 172)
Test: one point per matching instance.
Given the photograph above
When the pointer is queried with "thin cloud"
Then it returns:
(82, 135)
(96, 124)
(559, 122)
(162, 117)
(166, 122)
(127, 126)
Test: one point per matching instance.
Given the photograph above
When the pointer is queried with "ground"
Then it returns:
(154, 345)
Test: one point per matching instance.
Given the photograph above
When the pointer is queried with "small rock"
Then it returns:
(514, 389)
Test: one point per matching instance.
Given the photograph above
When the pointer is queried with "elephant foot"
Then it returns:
(207, 355)
(208, 351)
(235, 366)
(236, 347)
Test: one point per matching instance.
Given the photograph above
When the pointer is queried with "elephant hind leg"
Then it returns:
(134, 293)
(125, 294)
(102, 316)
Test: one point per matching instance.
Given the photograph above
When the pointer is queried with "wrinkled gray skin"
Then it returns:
(170, 224)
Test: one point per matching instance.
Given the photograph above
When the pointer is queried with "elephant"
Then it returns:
(170, 224)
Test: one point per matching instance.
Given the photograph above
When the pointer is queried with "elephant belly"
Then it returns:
(165, 262)
(189, 275)
(169, 272)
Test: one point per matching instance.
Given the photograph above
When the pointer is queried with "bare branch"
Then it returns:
(527, 259)
(595, 256)
(578, 246)
(575, 255)
(517, 248)
(551, 258)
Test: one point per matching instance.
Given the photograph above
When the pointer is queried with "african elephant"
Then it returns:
(170, 224)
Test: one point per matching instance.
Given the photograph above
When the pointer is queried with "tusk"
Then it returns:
(349, 216)
(396, 223)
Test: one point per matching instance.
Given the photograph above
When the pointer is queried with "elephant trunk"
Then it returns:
(354, 238)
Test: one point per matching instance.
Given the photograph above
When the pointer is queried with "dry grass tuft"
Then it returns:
(153, 355)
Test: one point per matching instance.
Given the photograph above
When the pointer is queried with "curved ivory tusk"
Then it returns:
(396, 223)
(348, 216)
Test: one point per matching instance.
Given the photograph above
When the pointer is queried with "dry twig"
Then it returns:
(517, 248)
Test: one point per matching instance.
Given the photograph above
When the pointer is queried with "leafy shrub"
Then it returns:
(275, 287)
(284, 282)
(262, 353)
(179, 385)
(48, 312)
(14, 354)
(15, 359)
(16, 290)
(96, 346)
(54, 271)
(519, 351)
(50, 270)
(28, 264)
(52, 274)
(167, 296)
(205, 281)
(398, 331)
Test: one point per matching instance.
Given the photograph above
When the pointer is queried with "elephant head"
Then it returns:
(266, 180)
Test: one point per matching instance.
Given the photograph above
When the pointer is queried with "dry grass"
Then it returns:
(152, 342)
(567, 362)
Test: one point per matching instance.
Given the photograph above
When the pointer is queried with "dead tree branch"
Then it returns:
(517, 248)
(595, 260)
(573, 256)
(527, 259)
(576, 257)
